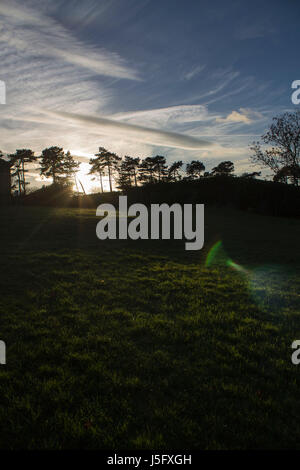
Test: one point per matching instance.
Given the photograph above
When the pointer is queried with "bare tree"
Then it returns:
(283, 137)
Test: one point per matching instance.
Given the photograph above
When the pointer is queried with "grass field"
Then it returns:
(131, 345)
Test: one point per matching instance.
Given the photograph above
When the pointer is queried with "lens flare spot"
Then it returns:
(215, 254)
(236, 266)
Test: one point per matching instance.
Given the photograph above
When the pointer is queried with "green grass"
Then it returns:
(131, 345)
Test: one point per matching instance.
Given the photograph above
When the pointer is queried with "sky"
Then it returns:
(188, 79)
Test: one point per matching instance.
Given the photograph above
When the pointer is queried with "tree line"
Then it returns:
(124, 173)
(54, 163)
(133, 171)
(282, 157)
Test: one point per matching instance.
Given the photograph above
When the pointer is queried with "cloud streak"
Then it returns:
(170, 116)
(134, 132)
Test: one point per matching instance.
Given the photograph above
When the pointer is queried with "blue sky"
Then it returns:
(208, 71)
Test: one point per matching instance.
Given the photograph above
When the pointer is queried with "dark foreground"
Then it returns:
(130, 345)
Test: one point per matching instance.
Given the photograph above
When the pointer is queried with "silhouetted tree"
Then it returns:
(98, 167)
(160, 167)
(146, 171)
(57, 164)
(106, 160)
(19, 159)
(284, 138)
(5, 180)
(153, 170)
(133, 165)
(128, 172)
(287, 173)
(123, 181)
(71, 168)
(174, 171)
(195, 169)
(223, 169)
(16, 174)
(254, 174)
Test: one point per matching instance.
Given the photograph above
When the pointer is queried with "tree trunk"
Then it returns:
(76, 183)
(23, 178)
(19, 181)
(109, 177)
(82, 187)
(101, 183)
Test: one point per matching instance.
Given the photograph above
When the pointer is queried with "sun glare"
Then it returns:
(83, 181)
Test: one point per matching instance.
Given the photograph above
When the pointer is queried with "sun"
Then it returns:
(85, 182)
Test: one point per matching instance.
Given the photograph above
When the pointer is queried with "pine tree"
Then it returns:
(160, 168)
(98, 167)
(153, 170)
(19, 159)
(195, 169)
(58, 165)
(174, 171)
(223, 169)
(105, 160)
(128, 172)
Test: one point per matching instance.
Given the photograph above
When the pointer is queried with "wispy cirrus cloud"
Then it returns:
(195, 71)
(137, 69)
(43, 64)
(28, 31)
